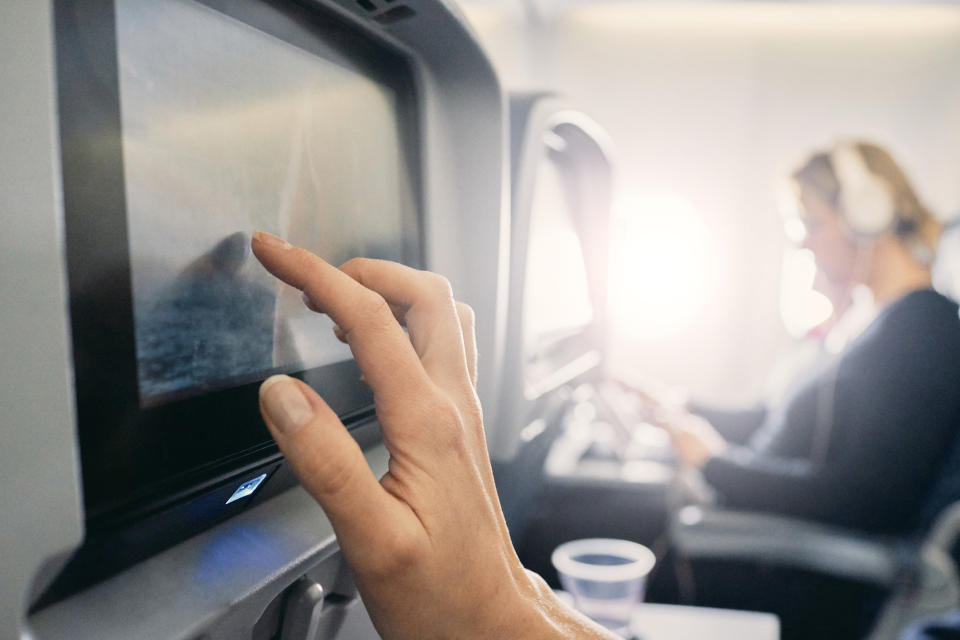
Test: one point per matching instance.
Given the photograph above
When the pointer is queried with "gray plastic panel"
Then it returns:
(218, 584)
(215, 585)
(531, 115)
(40, 516)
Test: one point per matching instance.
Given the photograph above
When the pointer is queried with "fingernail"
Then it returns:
(270, 240)
(284, 404)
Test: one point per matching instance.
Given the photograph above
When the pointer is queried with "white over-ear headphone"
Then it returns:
(865, 200)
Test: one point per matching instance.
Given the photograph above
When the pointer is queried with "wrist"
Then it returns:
(541, 615)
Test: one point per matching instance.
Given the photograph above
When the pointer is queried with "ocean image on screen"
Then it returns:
(227, 130)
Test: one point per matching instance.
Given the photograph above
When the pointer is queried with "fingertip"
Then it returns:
(284, 404)
(268, 240)
(271, 381)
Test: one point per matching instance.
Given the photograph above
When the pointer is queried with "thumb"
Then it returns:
(322, 454)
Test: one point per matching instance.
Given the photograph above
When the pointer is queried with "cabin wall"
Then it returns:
(714, 103)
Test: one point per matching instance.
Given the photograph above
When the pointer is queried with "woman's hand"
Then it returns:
(694, 439)
(427, 542)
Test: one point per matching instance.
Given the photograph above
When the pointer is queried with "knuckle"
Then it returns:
(375, 307)
(406, 552)
(355, 266)
(466, 313)
(333, 479)
(437, 284)
(536, 581)
(448, 424)
(444, 413)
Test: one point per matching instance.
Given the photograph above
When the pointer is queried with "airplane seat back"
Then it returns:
(241, 576)
(520, 479)
(945, 490)
(944, 493)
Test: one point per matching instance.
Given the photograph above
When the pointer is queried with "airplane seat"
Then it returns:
(520, 480)
(944, 494)
(917, 572)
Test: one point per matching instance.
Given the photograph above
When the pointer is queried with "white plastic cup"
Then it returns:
(606, 578)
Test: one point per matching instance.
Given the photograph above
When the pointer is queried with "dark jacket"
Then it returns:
(861, 442)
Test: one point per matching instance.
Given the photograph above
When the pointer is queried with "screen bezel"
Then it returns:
(125, 448)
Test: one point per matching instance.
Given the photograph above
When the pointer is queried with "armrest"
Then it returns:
(699, 532)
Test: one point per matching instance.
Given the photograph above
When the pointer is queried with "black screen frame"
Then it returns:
(125, 448)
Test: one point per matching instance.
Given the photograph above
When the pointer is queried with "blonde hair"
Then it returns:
(915, 224)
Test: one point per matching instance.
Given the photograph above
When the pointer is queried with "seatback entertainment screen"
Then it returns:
(185, 126)
(227, 129)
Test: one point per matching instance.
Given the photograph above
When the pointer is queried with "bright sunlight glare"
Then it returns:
(660, 263)
(801, 307)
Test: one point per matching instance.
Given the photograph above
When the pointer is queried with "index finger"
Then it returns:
(379, 345)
